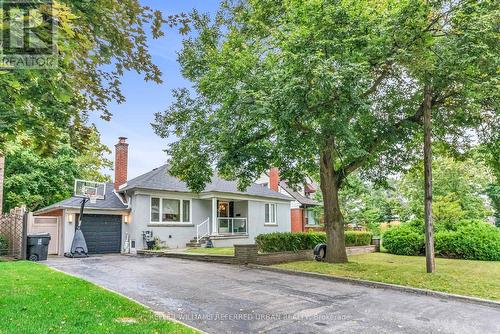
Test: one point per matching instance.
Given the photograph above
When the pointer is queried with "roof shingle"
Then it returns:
(298, 197)
(160, 179)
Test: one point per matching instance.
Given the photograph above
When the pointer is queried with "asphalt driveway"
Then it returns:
(231, 299)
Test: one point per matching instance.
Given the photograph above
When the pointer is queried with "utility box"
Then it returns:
(38, 246)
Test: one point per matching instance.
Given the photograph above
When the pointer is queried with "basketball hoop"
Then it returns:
(91, 190)
(93, 199)
(91, 193)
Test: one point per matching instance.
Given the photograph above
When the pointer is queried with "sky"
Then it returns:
(132, 119)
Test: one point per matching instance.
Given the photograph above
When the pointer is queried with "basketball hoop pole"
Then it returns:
(82, 207)
(79, 245)
(89, 191)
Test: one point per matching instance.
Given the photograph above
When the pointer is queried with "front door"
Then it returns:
(224, 213)
(223, 209)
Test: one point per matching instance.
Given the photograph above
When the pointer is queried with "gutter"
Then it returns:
(59, 207)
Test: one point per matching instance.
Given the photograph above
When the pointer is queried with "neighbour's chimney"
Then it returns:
(274, 179)
(121, 161)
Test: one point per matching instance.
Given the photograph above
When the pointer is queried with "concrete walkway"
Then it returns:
(221, 298)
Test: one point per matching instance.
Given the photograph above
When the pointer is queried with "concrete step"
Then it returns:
(193, 244)
(202, 241)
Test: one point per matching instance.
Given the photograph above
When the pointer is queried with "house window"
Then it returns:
(168, 210)
(270, 215)
(310, 218)
(155, 210)
(171, 210)
(186, 211)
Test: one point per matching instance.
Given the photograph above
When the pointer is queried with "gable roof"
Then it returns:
(297, 196)
(160, 179)
(111, 201)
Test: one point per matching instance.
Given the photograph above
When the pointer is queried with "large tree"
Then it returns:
(36, 181)
(325, 87)
(96, 41)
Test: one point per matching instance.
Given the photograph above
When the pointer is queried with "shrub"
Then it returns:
(286, 241)
(473, 241)
(403, 240)
(358, 238)
(4, 245)
(466, 239)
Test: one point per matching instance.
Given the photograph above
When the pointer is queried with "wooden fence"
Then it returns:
(13, 229)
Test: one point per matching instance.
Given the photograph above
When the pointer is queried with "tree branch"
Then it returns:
(415, 118)
(379, 80)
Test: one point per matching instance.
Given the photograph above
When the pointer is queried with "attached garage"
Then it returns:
(101, 226)
(103, 233)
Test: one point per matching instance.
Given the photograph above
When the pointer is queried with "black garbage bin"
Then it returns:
(38, 246)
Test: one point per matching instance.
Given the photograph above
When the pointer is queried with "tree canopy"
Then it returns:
(96, 42)
(327, 87)
(461, 187)
(37, 181)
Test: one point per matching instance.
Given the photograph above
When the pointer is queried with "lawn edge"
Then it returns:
(381, 285)
(126, 297)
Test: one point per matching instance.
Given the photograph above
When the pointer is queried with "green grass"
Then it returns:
(463, 277)
(212, 251)
(37, 299)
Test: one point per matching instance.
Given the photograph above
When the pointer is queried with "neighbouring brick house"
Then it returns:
(302, 207)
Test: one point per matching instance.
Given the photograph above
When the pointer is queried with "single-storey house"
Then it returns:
(159, 204)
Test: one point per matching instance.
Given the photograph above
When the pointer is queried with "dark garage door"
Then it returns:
(102, 233)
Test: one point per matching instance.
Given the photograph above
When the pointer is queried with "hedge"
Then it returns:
(473, 242)
(287, 241)
(468, 240)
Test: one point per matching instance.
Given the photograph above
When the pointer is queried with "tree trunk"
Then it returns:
(334, 221)
(429, 229)
(2, 167)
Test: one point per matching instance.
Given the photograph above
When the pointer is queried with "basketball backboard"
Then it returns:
(90, 189)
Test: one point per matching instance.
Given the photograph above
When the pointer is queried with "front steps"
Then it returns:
(197, 243)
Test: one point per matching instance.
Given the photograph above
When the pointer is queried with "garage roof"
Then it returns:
(111, 201)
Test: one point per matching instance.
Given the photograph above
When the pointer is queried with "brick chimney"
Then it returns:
(121, 162)
(274, 179)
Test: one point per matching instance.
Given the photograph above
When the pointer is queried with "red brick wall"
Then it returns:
(121, 162)
(297, 216)
(274, 179)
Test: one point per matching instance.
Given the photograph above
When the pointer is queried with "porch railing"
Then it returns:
(231, 225)
(203, 231)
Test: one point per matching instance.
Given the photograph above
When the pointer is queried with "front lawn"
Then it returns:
(212, 251)
(463, 277)
(37, 299)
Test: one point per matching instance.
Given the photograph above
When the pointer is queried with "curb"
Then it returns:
(380, 285)
(156, 313)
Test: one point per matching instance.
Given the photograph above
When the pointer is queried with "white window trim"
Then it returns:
(275, 222)
(181, 209)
